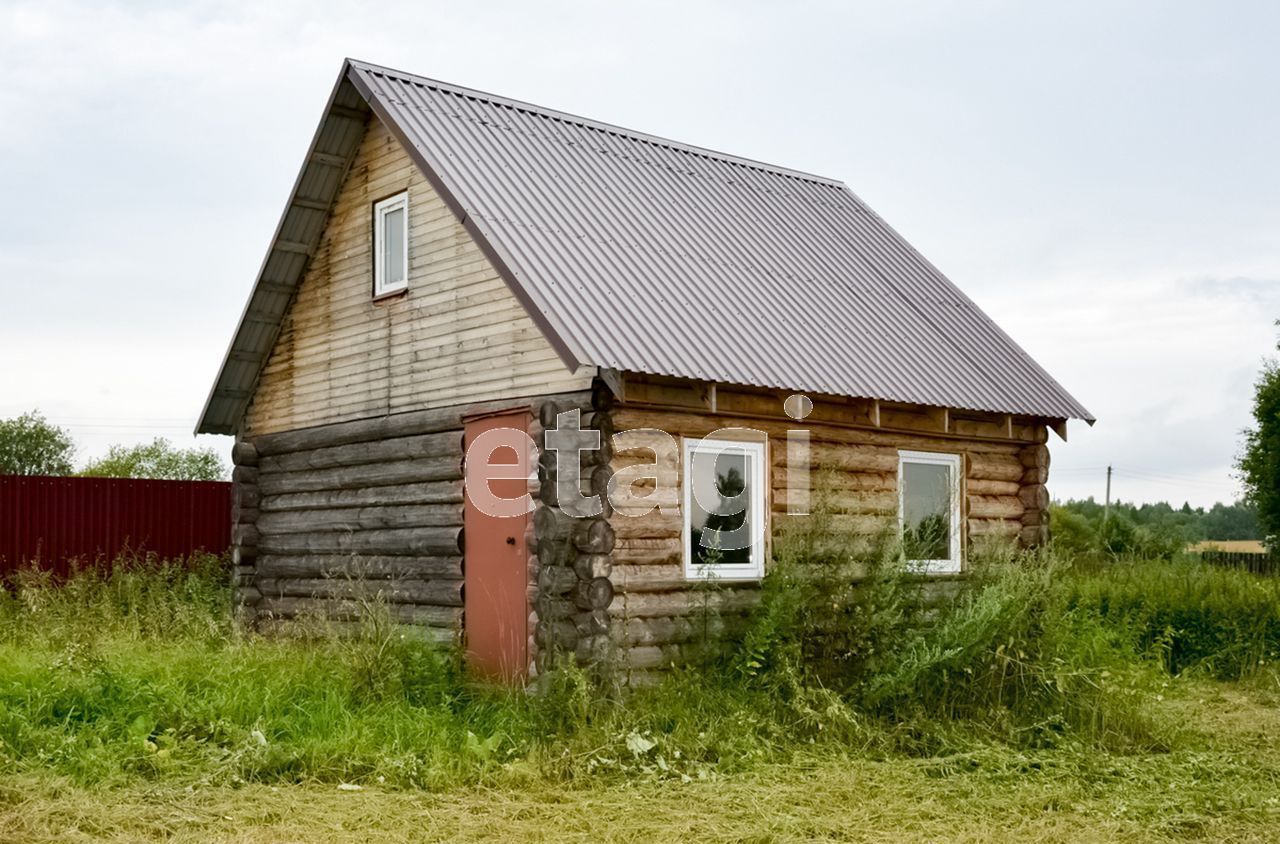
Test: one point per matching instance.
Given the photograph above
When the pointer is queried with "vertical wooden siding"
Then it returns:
(53, 520)
(457, 335)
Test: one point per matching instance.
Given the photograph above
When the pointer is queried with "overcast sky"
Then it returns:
(1103, 178)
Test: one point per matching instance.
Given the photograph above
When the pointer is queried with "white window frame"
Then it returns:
(380, 211)
(755, 452)
(956, 562)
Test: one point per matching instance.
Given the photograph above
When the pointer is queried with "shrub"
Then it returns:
(1188, 614)
(1002, 649)
(1079, 535)
(1073, 534)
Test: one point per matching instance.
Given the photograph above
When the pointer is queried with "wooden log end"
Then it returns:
(556, 580)
(244, 453)
(553, 635)
(592, 622)
(1034, 496)
(594, 537)
(591, 566)
(1033, 536)
(594, 594)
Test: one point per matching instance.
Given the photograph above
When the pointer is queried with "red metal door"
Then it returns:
(496, 559)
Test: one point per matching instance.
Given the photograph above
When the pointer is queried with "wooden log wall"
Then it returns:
(658, 614)
(327, 517)
(244, 531)
(361, 514)
(333, 519)
(571, 586)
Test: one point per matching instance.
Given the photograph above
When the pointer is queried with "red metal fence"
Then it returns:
(54, 520)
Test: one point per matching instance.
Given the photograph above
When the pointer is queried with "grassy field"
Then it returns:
(1225, 785)
(1129, 703)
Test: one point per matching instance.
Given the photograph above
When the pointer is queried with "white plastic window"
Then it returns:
(724, 499)
(929, 510)
(391, 245)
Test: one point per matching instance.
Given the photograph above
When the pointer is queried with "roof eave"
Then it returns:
(228, 424)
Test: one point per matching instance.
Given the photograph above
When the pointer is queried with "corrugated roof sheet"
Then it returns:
(641, 254)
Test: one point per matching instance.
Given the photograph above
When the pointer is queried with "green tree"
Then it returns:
(1071, 530)
(29, 445)
(1161, 525)
(1232, 521)
(158, 459)
(1259, 462)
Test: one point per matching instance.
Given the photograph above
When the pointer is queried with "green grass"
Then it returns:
(1134, 701)
(1223, 786)
(141, 675)
(1188, 615)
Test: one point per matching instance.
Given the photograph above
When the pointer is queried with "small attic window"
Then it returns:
(391, 245)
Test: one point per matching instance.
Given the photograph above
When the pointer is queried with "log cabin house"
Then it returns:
(452, 262)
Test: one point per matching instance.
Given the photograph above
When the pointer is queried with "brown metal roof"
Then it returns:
(641, 254)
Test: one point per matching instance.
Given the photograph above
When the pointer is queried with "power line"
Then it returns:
(129, 427)
(1142, 470)
(1175, 481)
(1143, 474)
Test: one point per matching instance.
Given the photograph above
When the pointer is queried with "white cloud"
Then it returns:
(1165, 365)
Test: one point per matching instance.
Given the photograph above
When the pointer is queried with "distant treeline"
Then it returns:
(1149, 530)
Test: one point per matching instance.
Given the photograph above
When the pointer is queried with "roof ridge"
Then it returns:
(597, 125)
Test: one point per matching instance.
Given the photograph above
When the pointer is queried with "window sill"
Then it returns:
(723, 577)
(391, 295)
(936, 574)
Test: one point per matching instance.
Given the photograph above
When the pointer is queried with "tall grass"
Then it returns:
(1003, 651)
(135, 598)
(1187, 614)
(138, 672)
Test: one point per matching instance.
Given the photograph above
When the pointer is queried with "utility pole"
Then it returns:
(1106, 509)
